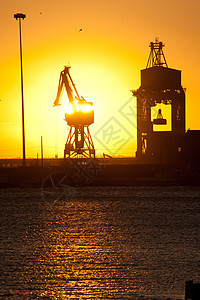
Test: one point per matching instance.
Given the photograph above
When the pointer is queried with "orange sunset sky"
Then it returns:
(106, 57)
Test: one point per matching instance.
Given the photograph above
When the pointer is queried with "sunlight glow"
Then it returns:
(85, 107)
(166, 112)
(82, 107)
(98, 73)
(68, 108)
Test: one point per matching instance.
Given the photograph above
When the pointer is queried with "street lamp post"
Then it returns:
(20, 16)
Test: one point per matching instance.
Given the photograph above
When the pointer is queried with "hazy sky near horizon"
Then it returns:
(106, 57)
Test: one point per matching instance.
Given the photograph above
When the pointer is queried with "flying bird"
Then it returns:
(80, 29)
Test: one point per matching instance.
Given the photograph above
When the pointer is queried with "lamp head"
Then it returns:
(19, 15)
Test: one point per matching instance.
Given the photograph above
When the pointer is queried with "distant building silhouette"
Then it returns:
(192, 290)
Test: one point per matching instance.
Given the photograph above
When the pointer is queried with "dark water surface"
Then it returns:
(100, 243)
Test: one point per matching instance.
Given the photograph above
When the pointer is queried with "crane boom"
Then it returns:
(65, 80)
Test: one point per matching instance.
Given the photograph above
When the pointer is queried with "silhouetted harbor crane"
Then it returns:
(79, 118)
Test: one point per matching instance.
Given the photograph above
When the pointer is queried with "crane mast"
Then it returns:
(79, 141)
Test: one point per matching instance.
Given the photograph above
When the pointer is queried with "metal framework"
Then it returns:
(79, 141)
(156, 56)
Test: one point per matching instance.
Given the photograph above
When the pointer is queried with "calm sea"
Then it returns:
(99, 242)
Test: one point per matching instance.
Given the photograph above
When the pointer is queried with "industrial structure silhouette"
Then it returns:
(79, 140)
(162, 85)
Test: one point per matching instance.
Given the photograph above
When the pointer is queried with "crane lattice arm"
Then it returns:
(67, 82)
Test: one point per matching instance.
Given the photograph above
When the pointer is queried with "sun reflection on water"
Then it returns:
(109, 243)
